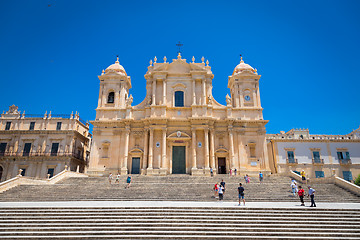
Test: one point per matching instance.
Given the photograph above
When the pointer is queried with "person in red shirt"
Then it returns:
(301, 194)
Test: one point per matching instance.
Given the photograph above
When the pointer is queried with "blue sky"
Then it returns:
(306, 51)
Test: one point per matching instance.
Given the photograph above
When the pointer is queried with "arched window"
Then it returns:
(111, 97)
(179, 99)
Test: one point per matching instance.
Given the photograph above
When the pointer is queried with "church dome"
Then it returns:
(243, 66)
(116, 67)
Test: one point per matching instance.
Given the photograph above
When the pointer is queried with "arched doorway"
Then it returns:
(222, 164)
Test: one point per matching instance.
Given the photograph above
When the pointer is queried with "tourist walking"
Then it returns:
(221, 192)
(293, 187)
(301, 194)
(222, 183)
(303, 175)
(312, 196)
(261, 177)
(110, 177)
(211, 172)
(247, 178)
(235, 171)
(128, 181)
(117, 179)
(241, 194)
(216, 189)
(230, 171)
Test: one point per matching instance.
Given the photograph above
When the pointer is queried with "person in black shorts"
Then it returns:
(241, 193)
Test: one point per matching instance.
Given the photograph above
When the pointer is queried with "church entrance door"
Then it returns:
(178, 160)
(221, 165)
(135, 166)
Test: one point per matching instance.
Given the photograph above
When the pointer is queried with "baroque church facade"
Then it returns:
(179, 128)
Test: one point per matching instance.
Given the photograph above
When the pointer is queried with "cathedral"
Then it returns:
(179, 128)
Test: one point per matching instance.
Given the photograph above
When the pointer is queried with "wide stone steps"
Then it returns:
(171, 188)
(178, 223)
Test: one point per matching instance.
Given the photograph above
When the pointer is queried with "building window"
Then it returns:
(51, 172)
(2, 148)
(290, 155)
(54, 149)
(111, 97)
(316, 156)
(179, 99)
(27, 148)
(319, 174)
(58, 126)
(343, 155)
(32, 126)
(8, 125)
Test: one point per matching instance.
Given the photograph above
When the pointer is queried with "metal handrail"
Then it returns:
(293, 160)
(317, 161)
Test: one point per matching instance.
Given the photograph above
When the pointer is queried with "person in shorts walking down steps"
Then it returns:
(241, 193)
(301, 194)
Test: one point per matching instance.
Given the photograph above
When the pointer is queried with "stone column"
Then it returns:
(237, 99)
(254, 98)
(116, 98)
(194, 95)
(151, 145)
(193, 164)
(153, 92)
(164, 92)
(204, 92)
(231, 143)
(212, 149)
(146, 147)
(206, 143)
(258, 98)
(122, 96)
(100, 95)
(241, 99)
(124, 169)
(163, 152)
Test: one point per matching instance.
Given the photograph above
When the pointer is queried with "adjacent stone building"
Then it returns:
(42, 144)
(179, 128)
(319, 155)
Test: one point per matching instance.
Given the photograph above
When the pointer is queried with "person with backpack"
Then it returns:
(221, 192)
(301, 194)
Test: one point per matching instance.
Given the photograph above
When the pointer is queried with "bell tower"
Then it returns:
(244, 87)
(114, 89)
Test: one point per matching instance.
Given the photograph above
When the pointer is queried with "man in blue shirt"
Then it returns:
(312, 195)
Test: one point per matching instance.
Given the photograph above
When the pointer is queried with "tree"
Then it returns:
(357, 181)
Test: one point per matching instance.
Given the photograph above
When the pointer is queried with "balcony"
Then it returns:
(345, 161)
(42, 154)
(291, 161)
(318, 161)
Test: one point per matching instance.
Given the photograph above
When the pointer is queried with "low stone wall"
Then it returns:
(20, 180)
(347, 185)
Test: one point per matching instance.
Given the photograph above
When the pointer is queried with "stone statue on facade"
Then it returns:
(228, 99)
(129, 100)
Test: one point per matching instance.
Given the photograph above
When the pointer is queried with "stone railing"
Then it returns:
(347, 185)
(20, 180)
(333, 179)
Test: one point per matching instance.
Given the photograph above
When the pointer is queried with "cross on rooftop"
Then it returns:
(179, 44)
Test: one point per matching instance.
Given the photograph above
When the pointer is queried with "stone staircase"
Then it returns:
(178, 223)
(171, 188)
